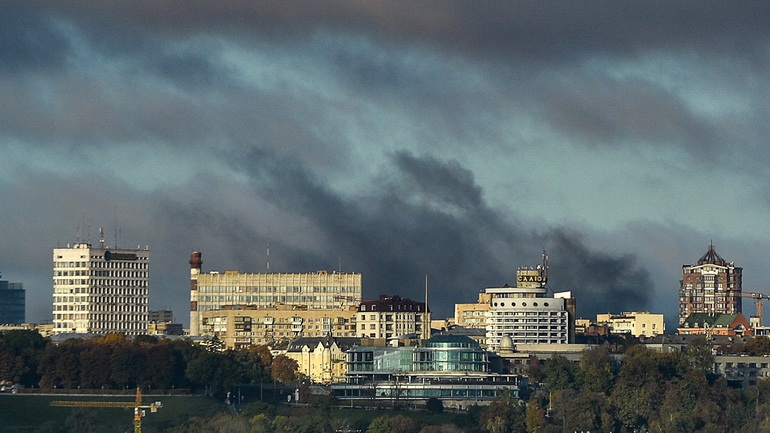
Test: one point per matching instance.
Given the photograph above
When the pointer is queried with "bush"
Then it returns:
(434, 405)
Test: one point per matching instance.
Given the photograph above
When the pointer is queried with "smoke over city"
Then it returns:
(435, 138)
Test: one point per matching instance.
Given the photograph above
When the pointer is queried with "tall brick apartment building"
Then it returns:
(710, 286)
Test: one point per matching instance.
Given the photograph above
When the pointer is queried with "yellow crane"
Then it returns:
(758, 297)
(136, 405)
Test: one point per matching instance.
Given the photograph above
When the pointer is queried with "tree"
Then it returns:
(381, 424)
(403, 424)
(503, 415)
(434, 405)
(595, 371)
(757, 346)
(700, 356)
(559, 373)
(284, 369)
(535, 417)
(534, 370)
(95, 366)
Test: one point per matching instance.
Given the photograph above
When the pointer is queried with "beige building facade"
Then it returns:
(243, 326)
(636, 323)
(473, 315)
(322, 359)
(392, 316)
(269, 291)
(100, 290)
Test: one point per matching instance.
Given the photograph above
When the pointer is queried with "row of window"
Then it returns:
(107, 306)
(389, 317)
(104, 273)
(244, 299)
(111, 264)
(279, 289)
(92, 283)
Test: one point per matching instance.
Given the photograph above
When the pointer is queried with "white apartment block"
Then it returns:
(527, 314)
(100, 290)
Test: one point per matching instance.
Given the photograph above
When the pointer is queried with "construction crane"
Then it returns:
(758, 297)
(136, 405)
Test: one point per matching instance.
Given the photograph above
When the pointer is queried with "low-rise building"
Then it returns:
(473, 315)
(322, 359)
(391, 317)
(452, 368)
(715, 324)
(636, 323)
(742, 371)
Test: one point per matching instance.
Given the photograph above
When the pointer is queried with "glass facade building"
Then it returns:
(450, 367)
(12, 303)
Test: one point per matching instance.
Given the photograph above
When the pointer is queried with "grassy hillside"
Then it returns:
(33, 413)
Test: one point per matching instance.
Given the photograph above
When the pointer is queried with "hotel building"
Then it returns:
(100, 290)
(527, 314)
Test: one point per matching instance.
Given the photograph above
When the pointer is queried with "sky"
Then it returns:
(457, 140)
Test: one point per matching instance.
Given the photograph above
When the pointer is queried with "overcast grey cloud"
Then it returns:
(438, 138)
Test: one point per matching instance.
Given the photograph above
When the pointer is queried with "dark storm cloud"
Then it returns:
(552, 30)
(29, 40)
(607, 283)
(428, 218)
(606, 111)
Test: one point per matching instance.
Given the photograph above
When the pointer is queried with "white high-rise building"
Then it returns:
(525, 314)
(100, 290)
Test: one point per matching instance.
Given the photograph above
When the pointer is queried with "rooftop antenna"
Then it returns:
(268, 257)
(544, 271)
(101, 237)
(339, 265)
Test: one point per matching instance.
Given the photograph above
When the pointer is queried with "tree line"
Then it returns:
(647, 391)
(115, 362)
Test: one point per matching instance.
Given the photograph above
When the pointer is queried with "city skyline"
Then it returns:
(395, 140)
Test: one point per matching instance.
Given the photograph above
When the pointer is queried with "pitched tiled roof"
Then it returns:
(700, 320)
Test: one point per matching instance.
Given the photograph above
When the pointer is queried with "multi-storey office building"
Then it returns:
(711, 286)
(100, 290)
(527, 314)
(12, 303)
(240, 326)
(393, 316)
(269, 291)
